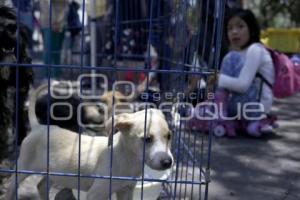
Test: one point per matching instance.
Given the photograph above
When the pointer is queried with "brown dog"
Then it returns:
(72, 112)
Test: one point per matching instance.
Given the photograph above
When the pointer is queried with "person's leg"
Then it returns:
(222, 99)
(102, 32)
(52, 45)
(56, 47)
(46, 53)
(237, 101)
(103, 42)
(231, 66)
(46, 42)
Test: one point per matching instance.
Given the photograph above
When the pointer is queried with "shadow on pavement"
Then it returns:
(260, 168)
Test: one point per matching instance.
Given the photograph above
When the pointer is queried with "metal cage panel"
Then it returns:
(155, 47)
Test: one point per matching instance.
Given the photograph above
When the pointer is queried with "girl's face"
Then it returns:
(238, 33)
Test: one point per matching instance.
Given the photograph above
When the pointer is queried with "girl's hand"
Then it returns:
(212, 81)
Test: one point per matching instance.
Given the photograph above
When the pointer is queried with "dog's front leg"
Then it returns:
(99, 190)
(11, 192)
(126, 193)
(42, 187)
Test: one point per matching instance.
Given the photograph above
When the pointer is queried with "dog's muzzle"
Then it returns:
(166, 163)
(165, 160)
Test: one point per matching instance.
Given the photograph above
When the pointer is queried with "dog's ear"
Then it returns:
(121, 123)
(124, 126)
(103, 99)
(120, 97)
(107, 97)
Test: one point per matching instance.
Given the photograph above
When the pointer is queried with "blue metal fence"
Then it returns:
(186, 36)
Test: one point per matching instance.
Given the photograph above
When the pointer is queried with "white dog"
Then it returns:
(95, 155)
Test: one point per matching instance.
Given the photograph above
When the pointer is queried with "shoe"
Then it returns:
(253, 129)
(267, 129)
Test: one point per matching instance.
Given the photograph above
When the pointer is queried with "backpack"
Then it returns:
(287, 75)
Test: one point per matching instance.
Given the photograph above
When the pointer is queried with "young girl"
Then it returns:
(239, 83)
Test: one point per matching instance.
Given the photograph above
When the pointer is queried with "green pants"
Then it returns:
(53, 42)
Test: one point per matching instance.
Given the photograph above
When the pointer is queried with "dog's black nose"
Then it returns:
(166, 163)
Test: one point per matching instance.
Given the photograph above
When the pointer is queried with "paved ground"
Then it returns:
(260, 169)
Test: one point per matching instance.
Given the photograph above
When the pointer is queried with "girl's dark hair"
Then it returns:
(251, 21)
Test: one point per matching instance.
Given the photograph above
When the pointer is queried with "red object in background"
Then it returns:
(130, 76)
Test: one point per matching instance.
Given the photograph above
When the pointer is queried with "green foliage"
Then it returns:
(276, 13)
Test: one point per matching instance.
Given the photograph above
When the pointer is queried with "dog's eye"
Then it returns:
(100, 110)
(123, 100)
(169, 137)
(148, 139)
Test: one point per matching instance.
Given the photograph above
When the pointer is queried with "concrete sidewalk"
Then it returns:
(267, 168)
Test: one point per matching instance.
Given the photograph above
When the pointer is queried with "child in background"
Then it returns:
(238, 83)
